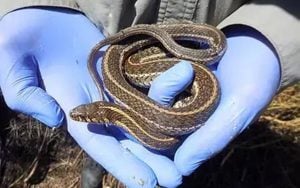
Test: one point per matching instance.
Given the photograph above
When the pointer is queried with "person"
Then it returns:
(44, 47)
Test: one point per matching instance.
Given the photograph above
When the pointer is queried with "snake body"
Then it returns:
(137, 55)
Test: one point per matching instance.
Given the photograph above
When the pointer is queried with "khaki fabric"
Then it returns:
(200, 11)
(9, 5)
(278, 20)
(113, 15)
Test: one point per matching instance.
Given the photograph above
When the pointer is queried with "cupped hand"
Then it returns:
(249, 76)
(44, 74)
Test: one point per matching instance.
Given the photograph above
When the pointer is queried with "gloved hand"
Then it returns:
(249, 76)
(44, 74)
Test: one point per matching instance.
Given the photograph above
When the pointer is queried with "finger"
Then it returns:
(166, 86)
(215, 135)
(164, 169)
(21, 90)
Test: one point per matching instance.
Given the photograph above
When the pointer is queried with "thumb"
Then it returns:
(20, 86)
(170, 83)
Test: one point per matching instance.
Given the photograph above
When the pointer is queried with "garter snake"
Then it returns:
(138, 54)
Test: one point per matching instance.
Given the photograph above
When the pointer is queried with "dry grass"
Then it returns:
(266, 155)
(36, 156)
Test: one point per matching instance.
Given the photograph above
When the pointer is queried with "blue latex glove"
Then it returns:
(249, 75)
(44, 74)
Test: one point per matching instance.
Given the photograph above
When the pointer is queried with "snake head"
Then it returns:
(90, 113)
(80, 113)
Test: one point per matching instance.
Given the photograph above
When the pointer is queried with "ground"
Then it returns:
(266, 155)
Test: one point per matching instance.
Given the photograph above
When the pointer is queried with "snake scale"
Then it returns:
(136, 56)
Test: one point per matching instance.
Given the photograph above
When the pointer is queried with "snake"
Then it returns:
(134, 58)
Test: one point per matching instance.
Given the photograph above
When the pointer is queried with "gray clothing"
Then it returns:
(277, 20)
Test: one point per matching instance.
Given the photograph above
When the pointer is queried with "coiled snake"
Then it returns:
(135, 57)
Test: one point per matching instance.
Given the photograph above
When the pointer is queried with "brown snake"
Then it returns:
(138, 54)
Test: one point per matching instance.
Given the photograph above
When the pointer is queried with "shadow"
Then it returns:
(258, 158)
(28, 148)
(6, 114)
(45, 159)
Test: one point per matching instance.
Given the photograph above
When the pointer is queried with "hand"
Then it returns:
(249, 76)
(44, 74)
